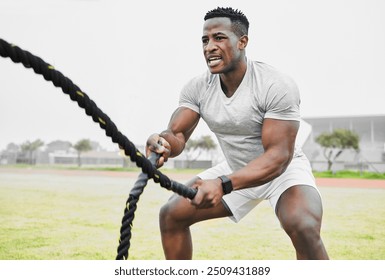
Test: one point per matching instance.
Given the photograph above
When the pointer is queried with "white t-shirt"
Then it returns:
(237, 121)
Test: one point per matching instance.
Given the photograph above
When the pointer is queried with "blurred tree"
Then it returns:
(30, 148)
(336, 142)
(81, 146)
(194, 148)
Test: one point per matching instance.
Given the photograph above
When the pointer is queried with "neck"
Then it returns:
(231, 80)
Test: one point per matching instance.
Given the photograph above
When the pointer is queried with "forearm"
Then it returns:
(278, 138)
(171, 141)
(260, 170)
(182, 124)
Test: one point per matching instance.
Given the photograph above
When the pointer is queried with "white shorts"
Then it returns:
(241, 202)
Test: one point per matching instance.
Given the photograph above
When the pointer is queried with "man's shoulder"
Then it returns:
(263, 68)
(268, 74)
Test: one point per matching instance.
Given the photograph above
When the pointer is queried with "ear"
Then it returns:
(242, 42)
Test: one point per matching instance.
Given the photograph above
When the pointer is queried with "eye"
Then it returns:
(205, 41)
(219, 38)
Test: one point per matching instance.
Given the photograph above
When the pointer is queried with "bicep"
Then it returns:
(278, 138)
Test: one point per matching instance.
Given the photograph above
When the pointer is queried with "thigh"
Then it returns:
(300, 204)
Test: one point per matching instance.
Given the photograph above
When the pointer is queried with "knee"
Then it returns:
(177, 212)
(171, 216)
(303, 227)
(165, 214)
(300, 212)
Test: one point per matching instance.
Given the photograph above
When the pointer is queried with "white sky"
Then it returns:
(132, 59)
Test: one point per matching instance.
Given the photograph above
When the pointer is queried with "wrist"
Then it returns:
(227, 185)
(176, 146)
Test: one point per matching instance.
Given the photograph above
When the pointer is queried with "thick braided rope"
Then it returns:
(128, 217)
(129, 213)
(49, 73)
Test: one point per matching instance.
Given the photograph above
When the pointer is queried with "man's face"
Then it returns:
(220, 45)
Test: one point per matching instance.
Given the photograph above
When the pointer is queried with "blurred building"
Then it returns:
(371, 130)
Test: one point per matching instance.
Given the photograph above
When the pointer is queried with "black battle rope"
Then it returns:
(129, 212)
(49, 73)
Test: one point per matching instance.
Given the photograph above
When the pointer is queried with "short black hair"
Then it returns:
(238, 19)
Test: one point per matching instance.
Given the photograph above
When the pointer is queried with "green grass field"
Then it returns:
(61, 216)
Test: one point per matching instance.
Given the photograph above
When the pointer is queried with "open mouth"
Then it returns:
(214, 61)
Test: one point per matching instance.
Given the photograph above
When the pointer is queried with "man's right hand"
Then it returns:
(159, 145)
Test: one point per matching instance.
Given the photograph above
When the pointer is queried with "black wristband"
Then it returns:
(227, 186)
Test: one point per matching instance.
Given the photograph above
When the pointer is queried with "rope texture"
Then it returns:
(129, 212)
(49, 73)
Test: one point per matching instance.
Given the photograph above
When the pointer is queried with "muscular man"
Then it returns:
(253, 109)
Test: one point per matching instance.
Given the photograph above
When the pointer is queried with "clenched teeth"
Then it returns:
(214, 61)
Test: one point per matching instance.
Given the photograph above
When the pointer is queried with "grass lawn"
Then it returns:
(61, 216)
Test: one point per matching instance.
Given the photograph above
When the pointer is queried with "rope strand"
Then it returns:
(129, 212)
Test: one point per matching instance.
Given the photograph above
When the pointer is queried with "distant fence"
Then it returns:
(378, 167)
(196, 164)
(45, 159)
(89, 161)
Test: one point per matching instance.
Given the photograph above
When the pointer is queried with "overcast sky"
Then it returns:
(132, 59)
